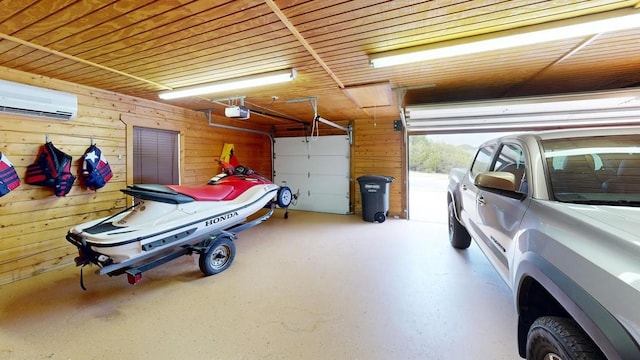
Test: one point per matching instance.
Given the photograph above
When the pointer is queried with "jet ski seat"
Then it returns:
(224, 189)
(204, 192)
(179, 194)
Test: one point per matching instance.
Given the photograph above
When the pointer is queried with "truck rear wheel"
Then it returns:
(557, 338)
(458, 235)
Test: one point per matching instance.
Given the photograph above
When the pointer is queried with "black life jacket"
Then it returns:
(51, 169)
(9, 179)
(95, 168)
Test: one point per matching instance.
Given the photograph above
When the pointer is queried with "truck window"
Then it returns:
(594, 169)
(483, 159)
(511, 159)
(559, 162)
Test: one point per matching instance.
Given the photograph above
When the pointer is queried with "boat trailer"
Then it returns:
(216, 251)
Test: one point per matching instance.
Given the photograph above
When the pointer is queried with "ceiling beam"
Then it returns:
(564, 57)
(303, 41)
(80, 60)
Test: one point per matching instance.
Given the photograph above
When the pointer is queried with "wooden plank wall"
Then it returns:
(379, 150)
(33, 222)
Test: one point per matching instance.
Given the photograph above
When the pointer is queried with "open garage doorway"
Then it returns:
(431, 157)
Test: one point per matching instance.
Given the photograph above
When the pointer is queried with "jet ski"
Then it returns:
(168, 221)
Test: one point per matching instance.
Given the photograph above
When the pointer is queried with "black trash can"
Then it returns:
(375, 197)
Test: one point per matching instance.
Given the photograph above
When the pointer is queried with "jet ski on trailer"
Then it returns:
(168, 221)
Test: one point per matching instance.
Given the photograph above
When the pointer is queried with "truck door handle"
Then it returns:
(481, 200)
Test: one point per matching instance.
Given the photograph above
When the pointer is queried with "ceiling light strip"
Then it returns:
(601, 100)
(528, 118)
(83, 61)
(276, 10)
(558, 30)
(524, 127)
(274, 77)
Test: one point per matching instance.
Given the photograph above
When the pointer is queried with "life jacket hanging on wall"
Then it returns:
(95, 168)
(51, 169)
(9, 179)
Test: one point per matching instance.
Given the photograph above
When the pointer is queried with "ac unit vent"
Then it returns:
(16, 98)
(57, 115)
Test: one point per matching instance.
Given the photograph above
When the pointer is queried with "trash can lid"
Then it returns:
(376, 178)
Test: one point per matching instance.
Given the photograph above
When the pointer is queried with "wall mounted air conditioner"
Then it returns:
(23, 99)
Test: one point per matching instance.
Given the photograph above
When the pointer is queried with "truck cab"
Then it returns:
(557, 214)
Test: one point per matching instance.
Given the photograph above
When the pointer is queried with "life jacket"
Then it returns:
(51, 169)
(9, 179)
(95, 168)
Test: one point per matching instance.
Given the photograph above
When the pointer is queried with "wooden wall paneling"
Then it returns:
(119, 27)
(378, 150)
(8, 10)
(94, 12)
(183, 41)
(28, 15)
(214, 48)
(206, 26)
(33, 222)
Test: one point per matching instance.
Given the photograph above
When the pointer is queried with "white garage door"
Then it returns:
(319, 168)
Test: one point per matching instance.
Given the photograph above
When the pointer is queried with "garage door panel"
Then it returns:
(294, 181)
(319, 169)
(290, 146)
(333, 165)
(292, 165)
(320, 202)
(331, 145)
(329, 184)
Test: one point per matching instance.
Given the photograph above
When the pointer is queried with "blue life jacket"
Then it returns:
(9, 179)
(95, 168)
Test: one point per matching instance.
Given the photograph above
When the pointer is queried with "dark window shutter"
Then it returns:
(155, 156)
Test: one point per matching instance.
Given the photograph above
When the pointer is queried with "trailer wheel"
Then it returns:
(284, 197)
(218, 256)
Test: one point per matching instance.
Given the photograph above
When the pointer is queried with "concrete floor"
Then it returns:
(315, 286)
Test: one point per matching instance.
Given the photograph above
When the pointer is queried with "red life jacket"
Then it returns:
(51, 169)
(9, 179)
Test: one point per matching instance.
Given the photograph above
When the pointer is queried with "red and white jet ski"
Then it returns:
(168, 221)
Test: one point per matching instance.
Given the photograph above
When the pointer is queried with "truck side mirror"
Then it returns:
(499, 180)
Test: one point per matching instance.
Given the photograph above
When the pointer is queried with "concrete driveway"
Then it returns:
(428, 197)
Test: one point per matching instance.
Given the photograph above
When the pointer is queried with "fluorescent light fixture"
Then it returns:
(558, 30)
(231, 84)
(594, 108)
(436, 128)
(577, 103)
(527, 119)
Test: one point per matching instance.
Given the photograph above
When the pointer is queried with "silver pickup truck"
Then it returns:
(557, 213)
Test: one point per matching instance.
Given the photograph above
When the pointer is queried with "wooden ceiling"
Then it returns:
(142, 47)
